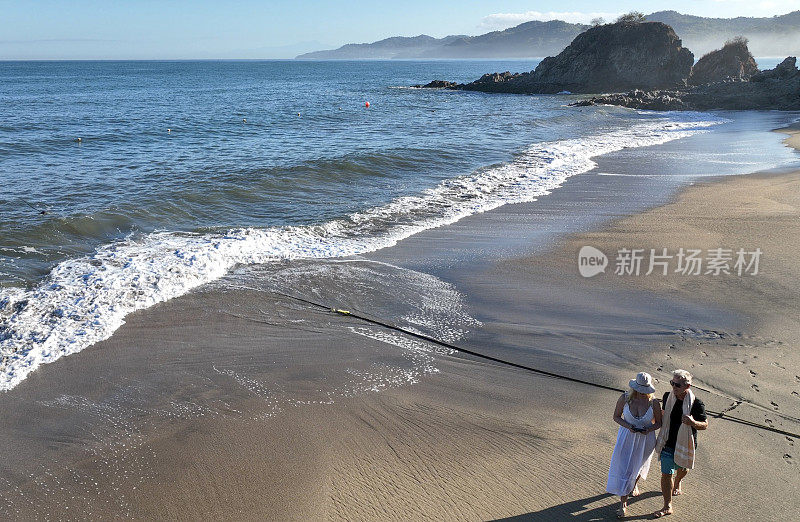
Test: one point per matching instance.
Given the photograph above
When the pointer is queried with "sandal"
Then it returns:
(662, 513)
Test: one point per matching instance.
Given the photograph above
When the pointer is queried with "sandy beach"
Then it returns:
(238, 402)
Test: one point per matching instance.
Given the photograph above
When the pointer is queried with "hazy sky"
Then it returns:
(166, 29)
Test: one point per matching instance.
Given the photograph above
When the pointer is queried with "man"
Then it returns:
(684, 414)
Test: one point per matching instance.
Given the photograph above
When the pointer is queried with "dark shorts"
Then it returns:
(668, 466)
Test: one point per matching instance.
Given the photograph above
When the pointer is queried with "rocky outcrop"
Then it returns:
(776, 89)
(496, 82)
(785, 70)
(437, 84)
(638, 99)
(647, 62)
(607, 58)
(732, 62)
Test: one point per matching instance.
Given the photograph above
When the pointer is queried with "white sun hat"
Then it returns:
(643, 383)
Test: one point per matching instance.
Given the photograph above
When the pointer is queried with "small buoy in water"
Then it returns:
(78, 140)
(244, 120)
(298, 114)
(169, 130)
(366, 105)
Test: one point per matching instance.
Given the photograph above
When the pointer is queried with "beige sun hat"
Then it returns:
(643, 383)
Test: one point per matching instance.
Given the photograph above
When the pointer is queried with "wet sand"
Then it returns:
(237, 402)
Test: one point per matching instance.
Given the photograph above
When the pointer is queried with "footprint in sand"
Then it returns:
(797, 378)
(774, 404)
(740, 362)
(788, 458)
(769, 421)
(755, 387)
(796, 394)
(790, 440)
(704, 354)
(752, 373)
(779, 365)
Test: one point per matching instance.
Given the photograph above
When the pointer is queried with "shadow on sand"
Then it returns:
(582, 510)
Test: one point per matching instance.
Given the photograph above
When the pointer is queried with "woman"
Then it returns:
(639, 415)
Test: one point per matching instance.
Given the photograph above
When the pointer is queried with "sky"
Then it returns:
(204, 29)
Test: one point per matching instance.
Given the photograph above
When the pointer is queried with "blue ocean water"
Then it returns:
(165, 146)
(128, 183)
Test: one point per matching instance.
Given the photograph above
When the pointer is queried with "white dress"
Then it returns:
(631, 457)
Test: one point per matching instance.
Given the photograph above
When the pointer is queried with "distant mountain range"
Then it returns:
(774, 36)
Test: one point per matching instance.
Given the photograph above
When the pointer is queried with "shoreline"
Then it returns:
(211, 404)
(85, 299)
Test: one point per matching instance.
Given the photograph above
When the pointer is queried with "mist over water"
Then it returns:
(186, 169)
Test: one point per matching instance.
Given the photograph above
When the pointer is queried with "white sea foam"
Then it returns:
(85, 300)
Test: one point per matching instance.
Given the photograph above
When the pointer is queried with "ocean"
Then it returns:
(129, 183)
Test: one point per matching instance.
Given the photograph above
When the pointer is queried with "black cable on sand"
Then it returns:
(718, 415)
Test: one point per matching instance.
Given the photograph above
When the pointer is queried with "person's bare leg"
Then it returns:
(623, 506)
(676, 489)
(635, 492)
(666, 490)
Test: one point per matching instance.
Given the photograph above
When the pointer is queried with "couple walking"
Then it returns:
(640, 415)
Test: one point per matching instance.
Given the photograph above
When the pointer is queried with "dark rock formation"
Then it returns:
(785, 70)
(437, 84)
(776, 89)
(606, 58)
(647, 61)
(638, 99)
(494, 82)
(733, 61)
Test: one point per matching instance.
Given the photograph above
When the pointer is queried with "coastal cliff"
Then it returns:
(606, 58)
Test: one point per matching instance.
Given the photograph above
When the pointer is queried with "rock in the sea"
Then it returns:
(607, 58)
(492, 82)
(731, 63)
(437, 84)
(638, 99)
